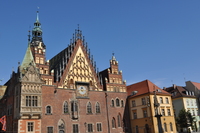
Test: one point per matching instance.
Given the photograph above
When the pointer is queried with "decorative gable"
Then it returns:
(80, 71)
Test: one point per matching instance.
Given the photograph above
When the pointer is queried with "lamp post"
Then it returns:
(157, 114)
(195, 125)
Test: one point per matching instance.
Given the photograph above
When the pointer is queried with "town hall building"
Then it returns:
(66, 94)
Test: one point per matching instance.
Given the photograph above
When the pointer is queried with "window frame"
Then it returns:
(89, 108)
(30, 126)
(99, 127)
(75, 128)
(90, 127)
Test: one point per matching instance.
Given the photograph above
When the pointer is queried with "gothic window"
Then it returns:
(113, 123)
(89, 108)
(117, 102)
(99, 128)
(167, 100)
(171, 126)
(165, 127)
(48, 110)
(75, 128)
(98, 108)
(49, 129)
(112, 103)
(119, 120)
(90, 128)
(74, 106)
(122, 103)
(61, 126)
(65, 108)
(30, 126)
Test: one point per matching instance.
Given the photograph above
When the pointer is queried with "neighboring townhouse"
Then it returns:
(184, 99)
(141, 100)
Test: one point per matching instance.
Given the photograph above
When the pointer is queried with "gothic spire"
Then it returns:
(37, 31)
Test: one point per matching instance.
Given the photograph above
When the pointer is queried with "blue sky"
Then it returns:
(158, 40)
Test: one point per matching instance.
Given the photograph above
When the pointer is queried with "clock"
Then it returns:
(82, 90)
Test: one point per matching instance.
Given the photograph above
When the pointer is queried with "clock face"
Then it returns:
(82, 90)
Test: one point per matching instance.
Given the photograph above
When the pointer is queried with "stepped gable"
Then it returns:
(145, 87)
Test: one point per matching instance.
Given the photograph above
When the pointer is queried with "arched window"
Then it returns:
(167, 100)
(48, 110)
(122, 103)
(161, 100)
(65, 108)
(171, 126)
(117, 102)
(89, 108)
(61, 126)
(165, 127)
(112, 103)
(119, 120)
(98, 108)
(113, 123)
(74, 106)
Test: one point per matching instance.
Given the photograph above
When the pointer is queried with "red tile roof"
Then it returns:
(196, 84)
(145, 87)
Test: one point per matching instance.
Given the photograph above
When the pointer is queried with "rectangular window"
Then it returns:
(34, 100)
(30, 126)
(145, 113)
(133, 103)
(163, 112)
(169, 112)
(16, 102)
(75, 128)
(31, 101)
(143, 101)
(167, 100)
(90, 128)
(49, 129)
(37, 60)
(99, 129)
(134, 115)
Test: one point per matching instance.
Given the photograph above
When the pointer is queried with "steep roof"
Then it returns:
(28, 58)
(179, 91)
(145, 87)
(196, 84)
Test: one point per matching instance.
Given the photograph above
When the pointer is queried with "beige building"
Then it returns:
(142, 110)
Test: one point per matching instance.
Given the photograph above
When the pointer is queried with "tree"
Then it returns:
(185, 119)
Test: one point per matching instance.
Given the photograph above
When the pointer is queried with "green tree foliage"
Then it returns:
(185, 119)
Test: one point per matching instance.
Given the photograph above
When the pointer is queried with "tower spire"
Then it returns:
(37, 31)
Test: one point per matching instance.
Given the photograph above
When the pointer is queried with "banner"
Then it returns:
(3, 121)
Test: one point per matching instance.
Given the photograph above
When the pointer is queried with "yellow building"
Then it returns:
(141, 101)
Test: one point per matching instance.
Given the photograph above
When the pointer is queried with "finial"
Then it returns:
(37, 19)
(29, 36)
